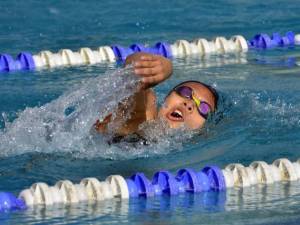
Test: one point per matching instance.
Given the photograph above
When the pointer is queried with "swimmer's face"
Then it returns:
(179, 111)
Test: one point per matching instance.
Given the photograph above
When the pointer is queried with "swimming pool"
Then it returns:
(261, 123)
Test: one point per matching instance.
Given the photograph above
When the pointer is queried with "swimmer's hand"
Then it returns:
(153, 69)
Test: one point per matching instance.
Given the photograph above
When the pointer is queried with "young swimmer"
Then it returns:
(188, 104)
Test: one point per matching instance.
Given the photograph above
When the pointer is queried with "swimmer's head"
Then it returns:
(189, 104)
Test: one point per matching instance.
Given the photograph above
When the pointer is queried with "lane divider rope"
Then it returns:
(181, 48)
(210, 178)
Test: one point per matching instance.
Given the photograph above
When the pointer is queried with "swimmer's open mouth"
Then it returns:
(176, 115)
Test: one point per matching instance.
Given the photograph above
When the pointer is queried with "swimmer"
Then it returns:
(188, 104)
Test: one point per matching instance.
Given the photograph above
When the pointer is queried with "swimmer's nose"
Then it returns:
(189, 105)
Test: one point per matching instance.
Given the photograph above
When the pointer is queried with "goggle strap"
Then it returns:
(196, 100)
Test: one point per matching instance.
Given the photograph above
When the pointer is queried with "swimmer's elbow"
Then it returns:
(101, 126)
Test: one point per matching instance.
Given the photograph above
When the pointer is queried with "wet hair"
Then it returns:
(212, 90)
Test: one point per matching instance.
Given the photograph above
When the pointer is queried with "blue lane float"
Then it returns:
(6, 63)
(181, 48)
(165, 182)
(159, 48)
(8, 202)
(264, 41)
(186, 180)
(24, 61)
(144, 187)
(215, 177)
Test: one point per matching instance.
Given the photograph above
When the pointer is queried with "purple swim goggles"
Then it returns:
(187, 92)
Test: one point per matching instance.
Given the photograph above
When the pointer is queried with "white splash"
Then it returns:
(66, 123)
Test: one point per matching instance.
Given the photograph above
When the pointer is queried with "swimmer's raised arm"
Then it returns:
(153, 69)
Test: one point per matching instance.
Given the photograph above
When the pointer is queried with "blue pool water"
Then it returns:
(261, 119)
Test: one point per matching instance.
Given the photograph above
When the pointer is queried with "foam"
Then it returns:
(64, 124)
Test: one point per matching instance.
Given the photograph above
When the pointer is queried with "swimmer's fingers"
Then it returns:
(149, 67)
(150, 57)
(153, 69)
(147, 63)
(147, 72)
